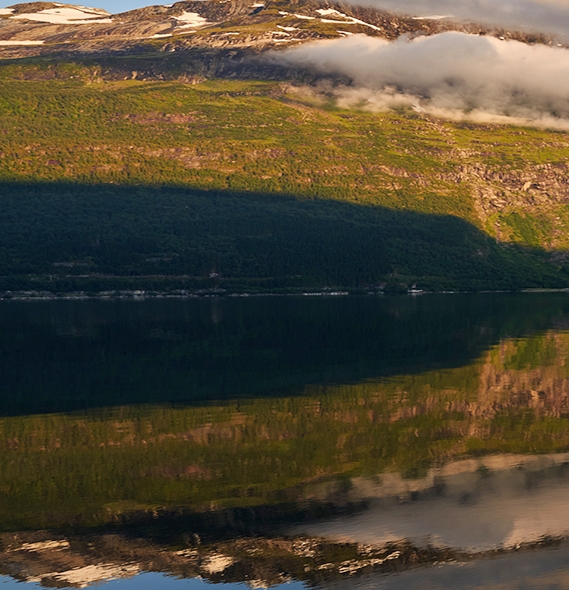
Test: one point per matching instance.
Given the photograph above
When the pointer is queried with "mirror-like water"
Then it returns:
(295, 442)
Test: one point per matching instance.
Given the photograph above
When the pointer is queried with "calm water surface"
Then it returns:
(411, 442)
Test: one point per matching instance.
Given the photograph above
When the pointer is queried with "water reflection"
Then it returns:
(533, 570)
(496, 502)
(393, 433)
(61, 356)
(148, 581)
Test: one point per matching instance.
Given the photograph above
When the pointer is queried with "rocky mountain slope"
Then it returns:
(42, 28)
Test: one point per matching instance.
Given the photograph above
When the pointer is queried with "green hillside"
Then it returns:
(256, 186)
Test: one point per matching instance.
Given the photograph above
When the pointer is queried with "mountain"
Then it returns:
(184, 148)
(43, 28)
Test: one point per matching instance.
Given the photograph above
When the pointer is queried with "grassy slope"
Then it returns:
(293, 193)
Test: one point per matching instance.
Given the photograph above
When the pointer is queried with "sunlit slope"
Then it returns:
(44, 28)
(266, 188)
(282, 450)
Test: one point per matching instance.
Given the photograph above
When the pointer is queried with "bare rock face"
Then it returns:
(43, 28)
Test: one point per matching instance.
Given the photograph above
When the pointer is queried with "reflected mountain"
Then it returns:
(279, 451)
(533, 570)
(378, 436)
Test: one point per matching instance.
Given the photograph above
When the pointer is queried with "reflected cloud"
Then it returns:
(494, 503)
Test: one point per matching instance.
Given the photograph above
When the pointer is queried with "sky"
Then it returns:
(116, 6)
(112, 6)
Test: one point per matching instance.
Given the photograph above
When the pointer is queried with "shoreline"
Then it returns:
(140, 295)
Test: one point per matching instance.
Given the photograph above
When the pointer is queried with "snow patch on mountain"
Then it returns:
(4, 43)
(433, 17)
(77, 15)
(191, 19)
(350, 20)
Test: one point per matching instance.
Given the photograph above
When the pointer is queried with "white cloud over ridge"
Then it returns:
(451, 74)
(547, 16)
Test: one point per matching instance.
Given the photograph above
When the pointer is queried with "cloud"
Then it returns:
(548, 16)
(451, 74)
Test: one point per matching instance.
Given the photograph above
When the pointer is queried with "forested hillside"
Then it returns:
(260, 185)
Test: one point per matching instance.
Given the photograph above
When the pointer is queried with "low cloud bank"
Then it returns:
(548, 16)
(452, 75)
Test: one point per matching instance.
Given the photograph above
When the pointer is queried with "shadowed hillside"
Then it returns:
(70, 237)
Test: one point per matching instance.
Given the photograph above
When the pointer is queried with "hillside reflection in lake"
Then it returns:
(318, 442)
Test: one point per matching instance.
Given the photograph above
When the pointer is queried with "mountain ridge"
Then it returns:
(45, 28)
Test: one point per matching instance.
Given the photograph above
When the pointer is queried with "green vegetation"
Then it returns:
(128, 184)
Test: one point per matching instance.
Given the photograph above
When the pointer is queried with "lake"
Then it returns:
(287, 442)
